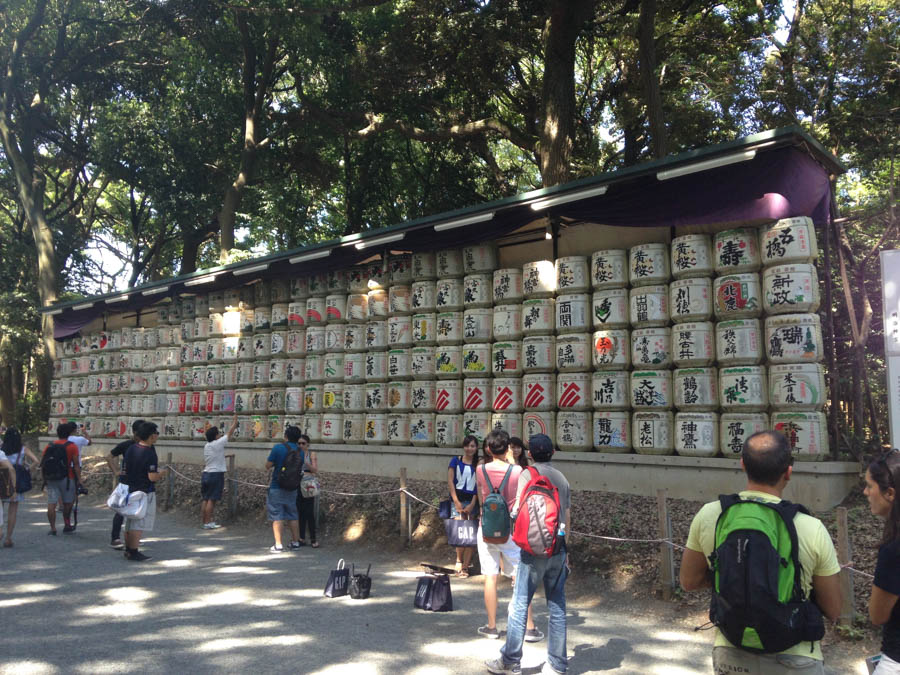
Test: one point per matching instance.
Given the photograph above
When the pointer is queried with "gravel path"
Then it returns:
(217, 601)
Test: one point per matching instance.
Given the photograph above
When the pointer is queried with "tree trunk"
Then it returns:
(649, 78)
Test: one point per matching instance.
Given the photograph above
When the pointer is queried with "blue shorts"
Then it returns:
(211, 485)
(281, 504)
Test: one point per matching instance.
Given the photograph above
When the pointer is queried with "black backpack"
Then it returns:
(292, 469)
(55, 462)
(757, 601)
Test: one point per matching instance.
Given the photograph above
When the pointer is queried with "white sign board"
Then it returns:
(890, 288)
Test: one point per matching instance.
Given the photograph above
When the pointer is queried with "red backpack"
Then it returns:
(537, 523)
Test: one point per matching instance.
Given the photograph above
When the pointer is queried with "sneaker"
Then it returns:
(533, 635)
(295, 545)
(68, 529)
(547, 669)
(136, 556)
(117, 544)
(214, 526)
(498, 666)
(491, 633)
(207, 526)
(276, 549)
(52, 533)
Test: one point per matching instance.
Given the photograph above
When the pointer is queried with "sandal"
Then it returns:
(459, 568)
(463, 574)
(315, 544)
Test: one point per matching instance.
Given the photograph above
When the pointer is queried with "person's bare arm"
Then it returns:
(234, 423)
(11, 470)
(828, 594)
(881, 605)
(695, 572)
(451, 485)
(30, 455)
(313, 463)
(269, 464)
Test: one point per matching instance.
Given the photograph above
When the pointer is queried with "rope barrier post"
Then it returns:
(844, 552)
(404, 507)
(232, 488)
(666, 557)
(170, 482)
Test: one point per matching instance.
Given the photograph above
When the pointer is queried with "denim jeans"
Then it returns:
(530, 572)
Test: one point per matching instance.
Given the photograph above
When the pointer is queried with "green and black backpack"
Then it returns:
(757, 600)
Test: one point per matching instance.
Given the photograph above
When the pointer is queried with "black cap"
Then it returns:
(540, 444)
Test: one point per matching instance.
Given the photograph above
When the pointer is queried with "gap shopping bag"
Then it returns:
(461, 532)
(338, 581)
(360, 584)
(433, 593)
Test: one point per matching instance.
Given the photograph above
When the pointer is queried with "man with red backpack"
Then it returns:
(541, 516)
(62, 474)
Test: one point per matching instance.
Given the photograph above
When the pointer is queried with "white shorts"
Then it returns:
(146, 523)
(887, 666)
(497, 557)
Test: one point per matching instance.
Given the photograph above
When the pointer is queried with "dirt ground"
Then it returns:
(609, 574)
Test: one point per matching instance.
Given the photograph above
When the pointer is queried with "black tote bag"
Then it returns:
(360, 584)
(461, 532)
(338, 581)
(433, 593)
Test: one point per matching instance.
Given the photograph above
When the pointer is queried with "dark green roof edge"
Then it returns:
(791, 135)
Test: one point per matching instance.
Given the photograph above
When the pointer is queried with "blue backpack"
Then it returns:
(495, 520)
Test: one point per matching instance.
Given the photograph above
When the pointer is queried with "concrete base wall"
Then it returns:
(818, 485)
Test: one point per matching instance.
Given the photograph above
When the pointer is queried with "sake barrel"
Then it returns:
(539, 392)
(312, 397)
(312, 424)
(651, 347)
(449, 294)
(247, 321)
(424, 329)
(259, 400)
(696, 389)
(315, 340)
(422, 396)
(332, 427)
(421, 363)
(693, 344)
(424, 265)
(244, 375)
(506, 359)
(507, 322)
(648, 265)
(423, 296)
(295, 343)
(572, 275)
(354, 428)
(797, 386)
(737, 296)
(612, 431)
(609, 390)
(573, 352)
(690, 300)
(794, 338)
(507, 394)
(736, 251)
(232, 298)
(315, 368)
(652, 433)
(509, 422)
(378, 274)
(216, 324)
(279, 291)
(538, 422)
(611, 349)
(476, 359)
(355, 367)
(449, 263)
(275, 400)
(400, 331)
(573, 431)
(276, 426)
(477, 324)
(376, 336)
(354, 398)
(691, 256)
(790, 289)
(278, 345)
(539, 279)
(448, 431)
(318, 284)
(479, 258)
(358, 279)
(294, 400)
(358, 307)
(334, 337)
(261, 294)
(398, 364)
(449, 326)
(262, 319)
(609, 308)
(538, 316)
(232, 323)
(609, 268)
(262, 345)
(448, 361)
(398, 429)
(184, 427)
(187, 330)
(697, 434)
(739, 342)
(477, 424)
(336, 308)
(507, 286)
(376, 429)
(213, 377)
(279, 316)
(294, 371)
(354, 338)
(806, 432)
(477, 394)
(743, 389)
(241, 401)
(164, 335)
(316, 310)
(477, 290)
(539, 354)
(299, 288)
(448, 396)
(789, 240)
(572, 313)
(421, 429)
(333, 396)
(649, 306)
(230, 347)
(376, 367)
(735, 428)
(651, 389)
(334, 367)
(188, 307)
(573, 392)
(399, 300)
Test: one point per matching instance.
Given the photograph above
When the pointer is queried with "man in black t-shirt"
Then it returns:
(141, 468)
(118, 468)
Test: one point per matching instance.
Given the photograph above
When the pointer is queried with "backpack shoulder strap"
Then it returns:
(505, 479)
(788, 510)
(487, 477)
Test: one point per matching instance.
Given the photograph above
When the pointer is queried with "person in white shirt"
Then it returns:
(212, 482)
(81, 441)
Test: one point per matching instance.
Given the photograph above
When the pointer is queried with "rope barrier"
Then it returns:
(624, 539)
(856, 571)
